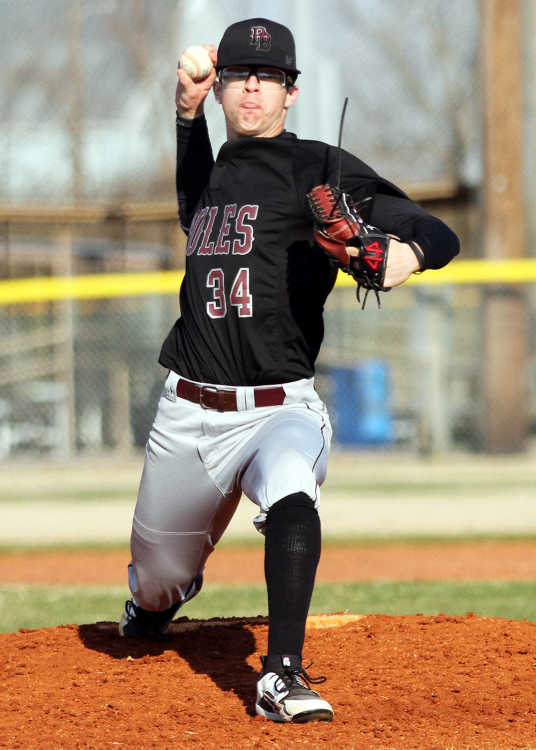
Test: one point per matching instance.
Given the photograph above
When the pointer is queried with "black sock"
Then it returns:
(292, 551)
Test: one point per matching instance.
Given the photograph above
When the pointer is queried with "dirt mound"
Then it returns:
(394, 682)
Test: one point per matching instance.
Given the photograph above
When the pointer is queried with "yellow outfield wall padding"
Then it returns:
(89, 287)
(50, 289)
(515, 271)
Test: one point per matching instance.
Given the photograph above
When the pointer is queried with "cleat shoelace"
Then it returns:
(301, 676)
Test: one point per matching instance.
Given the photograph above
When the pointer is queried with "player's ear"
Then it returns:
(216, 87)
(292, 95)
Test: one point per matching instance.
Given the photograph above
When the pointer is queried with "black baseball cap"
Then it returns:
(258, 41)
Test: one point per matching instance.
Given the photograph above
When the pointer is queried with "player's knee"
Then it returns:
(161, 592)
(160, 575)
(292, 507)
(292, 532)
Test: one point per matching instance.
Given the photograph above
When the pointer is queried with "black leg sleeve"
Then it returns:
(292, 552)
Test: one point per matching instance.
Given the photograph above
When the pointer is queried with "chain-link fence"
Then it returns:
(82, 375)
(414, 373)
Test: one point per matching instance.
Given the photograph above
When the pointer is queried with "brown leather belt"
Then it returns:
(222, 399)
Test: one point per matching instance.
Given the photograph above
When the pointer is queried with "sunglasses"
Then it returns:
(237, 75)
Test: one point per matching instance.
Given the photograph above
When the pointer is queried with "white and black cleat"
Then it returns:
(285, 695)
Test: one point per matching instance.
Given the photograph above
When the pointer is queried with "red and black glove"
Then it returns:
(337, 225)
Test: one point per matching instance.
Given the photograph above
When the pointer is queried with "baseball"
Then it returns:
(196, 62)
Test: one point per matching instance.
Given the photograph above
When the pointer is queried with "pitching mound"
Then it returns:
(394, 682)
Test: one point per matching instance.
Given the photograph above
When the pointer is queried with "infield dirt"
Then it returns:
(395, 682)
(460, 560)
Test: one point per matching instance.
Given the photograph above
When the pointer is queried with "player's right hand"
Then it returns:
(401, 263)
(190, 95)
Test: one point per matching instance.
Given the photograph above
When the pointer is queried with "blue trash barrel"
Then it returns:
(361, 404)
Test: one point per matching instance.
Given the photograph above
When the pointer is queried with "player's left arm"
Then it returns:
(419, 241)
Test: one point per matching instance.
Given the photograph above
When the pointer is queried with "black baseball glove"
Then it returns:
(338, 224)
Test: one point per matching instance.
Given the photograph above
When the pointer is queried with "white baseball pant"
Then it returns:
(199, 461)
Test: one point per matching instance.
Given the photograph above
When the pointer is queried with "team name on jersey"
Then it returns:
(230, 232)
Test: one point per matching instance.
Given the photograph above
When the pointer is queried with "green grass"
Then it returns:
(41, 606)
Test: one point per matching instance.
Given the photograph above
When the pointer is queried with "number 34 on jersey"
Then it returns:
(231, 233)
(239, 296)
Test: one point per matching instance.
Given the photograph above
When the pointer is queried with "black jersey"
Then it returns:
(253, 294)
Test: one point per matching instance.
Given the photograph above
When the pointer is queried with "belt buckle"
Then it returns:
(207, 389)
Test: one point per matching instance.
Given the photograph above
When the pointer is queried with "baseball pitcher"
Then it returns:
(270, 223)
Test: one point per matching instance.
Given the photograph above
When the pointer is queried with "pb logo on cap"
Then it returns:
(260, 39)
